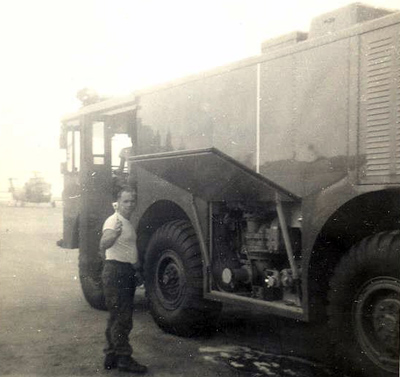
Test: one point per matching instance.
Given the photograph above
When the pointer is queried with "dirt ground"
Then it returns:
(47, 328)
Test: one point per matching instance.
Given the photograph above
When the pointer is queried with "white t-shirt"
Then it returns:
(124, 248)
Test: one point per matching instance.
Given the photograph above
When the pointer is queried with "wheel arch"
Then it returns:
(156, 215)
(361, 216)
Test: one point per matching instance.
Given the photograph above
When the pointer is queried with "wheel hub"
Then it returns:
(376, 316)
(386, 321)
(170, 280)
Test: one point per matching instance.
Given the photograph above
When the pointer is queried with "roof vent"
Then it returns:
(344, 18)
(283, 41)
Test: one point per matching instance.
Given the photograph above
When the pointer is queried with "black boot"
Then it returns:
(128, 364)
(110, 361)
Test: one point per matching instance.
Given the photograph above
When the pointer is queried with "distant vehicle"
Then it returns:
(35, 190)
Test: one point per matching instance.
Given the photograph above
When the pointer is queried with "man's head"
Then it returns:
(126, 199)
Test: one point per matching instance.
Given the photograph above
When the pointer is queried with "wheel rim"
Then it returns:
(170, 280)
(376, 315)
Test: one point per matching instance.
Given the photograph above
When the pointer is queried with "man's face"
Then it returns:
(126, 204)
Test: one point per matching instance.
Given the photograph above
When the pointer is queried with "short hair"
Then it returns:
(128, 189)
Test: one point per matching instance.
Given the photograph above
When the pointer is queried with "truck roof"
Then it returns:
(342, 23)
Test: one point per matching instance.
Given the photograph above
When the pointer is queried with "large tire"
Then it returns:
(174, 281)
(364, 306)
(91, 283)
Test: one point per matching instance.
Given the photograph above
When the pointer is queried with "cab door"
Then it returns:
(96, 192)
(97, 188)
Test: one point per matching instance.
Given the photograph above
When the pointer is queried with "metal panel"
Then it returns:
(304, 118)
(379, 137)
(216, 111)
(212, 176)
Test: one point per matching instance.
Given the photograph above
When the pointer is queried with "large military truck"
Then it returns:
(272, 182)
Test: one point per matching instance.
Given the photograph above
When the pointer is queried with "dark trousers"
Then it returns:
(119, 290)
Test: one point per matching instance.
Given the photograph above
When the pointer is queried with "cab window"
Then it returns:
(73, 150)
(120, 143)
(98, 149)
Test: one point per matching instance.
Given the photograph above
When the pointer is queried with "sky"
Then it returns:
(50, 49)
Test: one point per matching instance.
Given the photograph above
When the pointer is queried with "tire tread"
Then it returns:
(195, 312)
(376, 253)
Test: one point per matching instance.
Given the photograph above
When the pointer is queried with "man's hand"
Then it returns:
(118, 227)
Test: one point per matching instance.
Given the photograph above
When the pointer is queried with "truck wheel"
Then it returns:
(174, 281)
(364, 306)
(90, 278)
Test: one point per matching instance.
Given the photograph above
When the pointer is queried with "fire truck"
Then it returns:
(272, 182)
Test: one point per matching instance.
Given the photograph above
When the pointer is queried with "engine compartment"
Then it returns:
(249, 255)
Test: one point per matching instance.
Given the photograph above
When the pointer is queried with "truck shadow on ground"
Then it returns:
(273, 346)
(254, 344)
(248, 361)
(278, 346)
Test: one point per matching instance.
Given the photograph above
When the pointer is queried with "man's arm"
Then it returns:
(108, 238)
(110, 234)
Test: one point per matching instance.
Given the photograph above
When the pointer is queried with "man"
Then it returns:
(120, 274)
